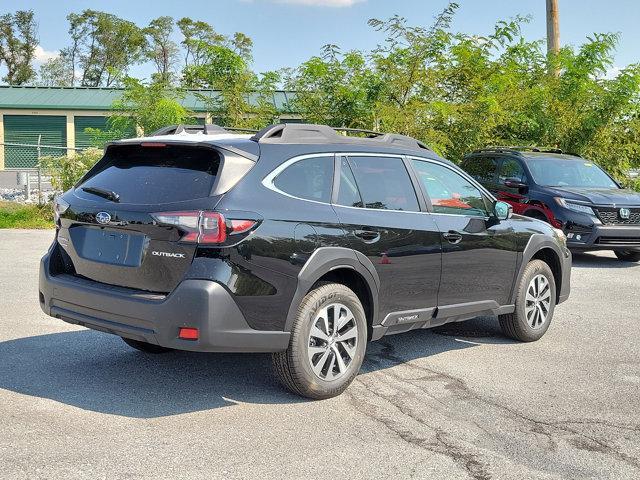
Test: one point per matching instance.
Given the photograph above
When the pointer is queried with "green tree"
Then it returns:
(147, 107)
(196, 36)
(458, 91)
(103, 48)
(240, 98)
(160, 48)
(18, 42)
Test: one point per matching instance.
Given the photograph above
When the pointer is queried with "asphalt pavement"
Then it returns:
(459, 402)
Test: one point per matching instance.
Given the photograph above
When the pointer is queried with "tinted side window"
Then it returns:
(511, 168)
(311, 178)
(348, 195)
(483, 169)
(449, 191)
(384, 183)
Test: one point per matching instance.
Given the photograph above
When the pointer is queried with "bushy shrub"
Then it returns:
(67, 170)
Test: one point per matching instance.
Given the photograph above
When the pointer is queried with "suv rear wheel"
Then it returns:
(328, 343)
(535, 303)
(628, 255)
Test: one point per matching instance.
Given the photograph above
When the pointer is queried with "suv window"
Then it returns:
(483, 169)
(449, 191)
(348, 195)
(511, 168)
(146, 175)
(384, 183)
(311, 179)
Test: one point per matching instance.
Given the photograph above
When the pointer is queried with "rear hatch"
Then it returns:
(135, 219)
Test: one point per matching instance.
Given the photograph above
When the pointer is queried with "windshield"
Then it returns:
(558, 172)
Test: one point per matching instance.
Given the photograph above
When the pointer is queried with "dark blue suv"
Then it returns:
(569, 192)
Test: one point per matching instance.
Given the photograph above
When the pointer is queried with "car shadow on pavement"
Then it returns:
(591, 260)
(98, 372)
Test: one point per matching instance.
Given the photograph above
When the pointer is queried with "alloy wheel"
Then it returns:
(538, 301)
(332, 341)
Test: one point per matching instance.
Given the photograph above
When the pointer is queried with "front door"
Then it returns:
(478, 253)
(379, 209)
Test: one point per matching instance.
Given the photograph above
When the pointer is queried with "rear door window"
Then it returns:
(483, 169)
(310, 179)
(163, 174)
(384, 183)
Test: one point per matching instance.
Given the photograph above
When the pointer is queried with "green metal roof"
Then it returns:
(88, 98)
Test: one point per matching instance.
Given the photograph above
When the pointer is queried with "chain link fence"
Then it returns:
(22, 178)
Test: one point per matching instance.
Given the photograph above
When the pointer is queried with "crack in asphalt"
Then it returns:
(460, 389)
(475, 468)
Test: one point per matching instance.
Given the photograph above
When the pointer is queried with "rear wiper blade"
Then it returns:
(101, 192)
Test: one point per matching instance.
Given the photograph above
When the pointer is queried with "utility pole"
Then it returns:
(553, 35)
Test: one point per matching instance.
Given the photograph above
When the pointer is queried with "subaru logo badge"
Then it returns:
(625, 213)
(103, 218)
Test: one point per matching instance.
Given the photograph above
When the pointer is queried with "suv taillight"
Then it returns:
(203, 227)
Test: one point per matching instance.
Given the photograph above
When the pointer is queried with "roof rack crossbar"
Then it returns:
(310, 133)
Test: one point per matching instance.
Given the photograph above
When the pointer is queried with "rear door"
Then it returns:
(478, 254)
(117, 230)
(380, 211)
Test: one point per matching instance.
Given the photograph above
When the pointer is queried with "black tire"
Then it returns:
(146, 347)
(628, 255)
(516, 325)
(294, 367)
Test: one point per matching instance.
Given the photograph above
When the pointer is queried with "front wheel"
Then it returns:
(535, 303)
(327, 345)
(628, 255)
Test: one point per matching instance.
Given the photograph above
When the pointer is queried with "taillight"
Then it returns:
(203, 227)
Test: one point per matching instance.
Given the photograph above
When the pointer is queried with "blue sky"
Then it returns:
(287, 32)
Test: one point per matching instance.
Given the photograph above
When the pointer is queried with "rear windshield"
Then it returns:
(144, 174)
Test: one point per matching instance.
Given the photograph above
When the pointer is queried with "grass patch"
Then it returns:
(19, 215)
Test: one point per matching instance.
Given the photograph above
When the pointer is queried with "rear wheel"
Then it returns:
(535, 303)
(145, 347)
(328, 343)
(628, 255)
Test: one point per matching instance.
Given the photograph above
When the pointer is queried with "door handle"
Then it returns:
(452, 236)
(368, 236)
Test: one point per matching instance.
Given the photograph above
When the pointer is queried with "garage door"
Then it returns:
(96, 138)
(26, 129)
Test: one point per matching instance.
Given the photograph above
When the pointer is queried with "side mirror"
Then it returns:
(514, 183)
(502, 210)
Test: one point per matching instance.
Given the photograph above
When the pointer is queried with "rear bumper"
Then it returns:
(608, 237)
(156, 319)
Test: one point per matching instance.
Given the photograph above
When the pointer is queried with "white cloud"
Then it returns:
(41, 55)
(323, 3)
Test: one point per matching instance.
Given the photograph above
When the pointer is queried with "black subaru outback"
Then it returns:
(569, 192)
(297, 240)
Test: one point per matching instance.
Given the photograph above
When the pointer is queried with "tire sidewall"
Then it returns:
(332, 293)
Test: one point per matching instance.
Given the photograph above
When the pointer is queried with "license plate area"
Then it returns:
(112, 247)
